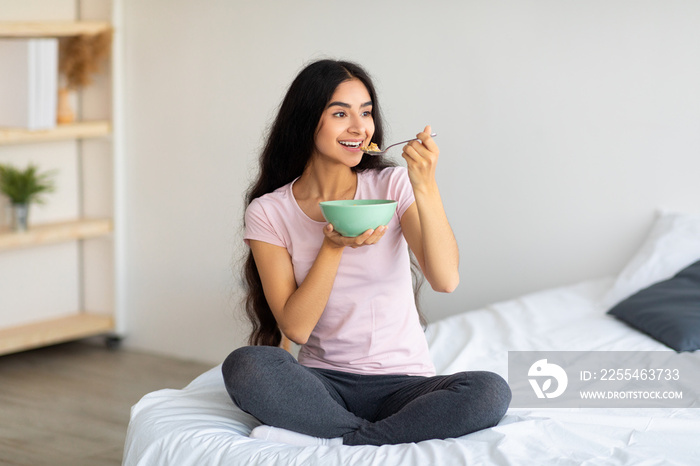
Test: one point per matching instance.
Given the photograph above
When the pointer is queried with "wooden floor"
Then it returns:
(69, 404)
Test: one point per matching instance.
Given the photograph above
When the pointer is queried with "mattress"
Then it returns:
(199, 425)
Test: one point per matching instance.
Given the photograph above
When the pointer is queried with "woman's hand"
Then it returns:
(421, 158)
(367, 238)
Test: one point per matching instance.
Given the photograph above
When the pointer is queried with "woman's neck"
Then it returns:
(323, 183)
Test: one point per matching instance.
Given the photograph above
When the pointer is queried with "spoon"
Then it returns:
(382, 152)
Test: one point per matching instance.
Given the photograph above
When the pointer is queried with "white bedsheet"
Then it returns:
(199, 425)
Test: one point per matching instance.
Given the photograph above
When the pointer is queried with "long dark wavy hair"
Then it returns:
(289, 145)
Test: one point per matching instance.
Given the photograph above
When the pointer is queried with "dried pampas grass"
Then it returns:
(82, 56)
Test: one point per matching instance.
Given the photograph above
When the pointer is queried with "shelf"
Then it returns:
(78, 130)
(51, 28)
(38, 235)
(53, 331)
(95, 274)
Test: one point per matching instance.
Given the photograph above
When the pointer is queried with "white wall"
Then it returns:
(562, 126)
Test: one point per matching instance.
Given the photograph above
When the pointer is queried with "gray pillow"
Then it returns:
(668, 311)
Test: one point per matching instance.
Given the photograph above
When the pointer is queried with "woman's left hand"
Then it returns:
(367, 238)
(421, 157)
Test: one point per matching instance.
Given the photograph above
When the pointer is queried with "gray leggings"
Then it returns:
(268, 383)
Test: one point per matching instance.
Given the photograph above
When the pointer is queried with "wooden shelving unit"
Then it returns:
(51, 28)
(51, 233)
(52, 331)
(80, 323)
(78, 130)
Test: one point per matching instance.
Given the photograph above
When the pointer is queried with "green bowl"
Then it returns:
(354, 217)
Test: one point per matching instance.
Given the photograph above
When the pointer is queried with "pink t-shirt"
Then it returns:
(370, 324)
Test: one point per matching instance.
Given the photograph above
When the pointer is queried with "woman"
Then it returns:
(364, 374)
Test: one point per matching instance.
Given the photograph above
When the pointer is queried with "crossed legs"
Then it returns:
(270, 384)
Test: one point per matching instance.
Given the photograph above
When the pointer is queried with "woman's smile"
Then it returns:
(353, 145)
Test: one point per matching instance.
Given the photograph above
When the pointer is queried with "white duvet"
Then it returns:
(199, 425)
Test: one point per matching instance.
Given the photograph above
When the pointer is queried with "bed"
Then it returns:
(199, 425)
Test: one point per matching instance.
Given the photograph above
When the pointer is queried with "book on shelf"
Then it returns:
(28, 82)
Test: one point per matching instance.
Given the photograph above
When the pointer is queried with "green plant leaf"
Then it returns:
(25, 186)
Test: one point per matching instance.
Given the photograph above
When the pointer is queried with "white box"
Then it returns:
(28, 83)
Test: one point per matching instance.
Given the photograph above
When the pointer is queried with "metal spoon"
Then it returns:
(382, 152)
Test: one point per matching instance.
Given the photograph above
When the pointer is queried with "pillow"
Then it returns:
(668, 311)
(673, 244)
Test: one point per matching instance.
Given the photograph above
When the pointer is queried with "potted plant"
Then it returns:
(24, 187)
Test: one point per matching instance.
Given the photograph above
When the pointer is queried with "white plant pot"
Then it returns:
(20, 217)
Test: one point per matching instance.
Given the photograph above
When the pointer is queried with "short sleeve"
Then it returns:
(258, 225)
(400, 189)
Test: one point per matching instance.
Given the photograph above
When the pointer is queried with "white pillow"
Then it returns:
(672, 245)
